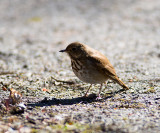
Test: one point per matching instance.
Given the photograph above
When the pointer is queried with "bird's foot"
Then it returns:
(99, 97)
(86, 95)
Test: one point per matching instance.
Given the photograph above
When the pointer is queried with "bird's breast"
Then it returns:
(87, 72)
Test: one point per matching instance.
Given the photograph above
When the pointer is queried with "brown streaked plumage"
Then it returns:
(91, 66)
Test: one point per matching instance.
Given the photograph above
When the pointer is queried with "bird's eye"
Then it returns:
(73, 49)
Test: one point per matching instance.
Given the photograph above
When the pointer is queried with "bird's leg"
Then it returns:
(99, 94)
(87, 90)
(108, 92)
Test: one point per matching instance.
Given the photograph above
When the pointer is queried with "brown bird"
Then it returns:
(91, 66)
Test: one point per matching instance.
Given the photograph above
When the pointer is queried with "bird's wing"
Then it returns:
(103, 65)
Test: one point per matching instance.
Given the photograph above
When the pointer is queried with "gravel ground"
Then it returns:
(126, 31)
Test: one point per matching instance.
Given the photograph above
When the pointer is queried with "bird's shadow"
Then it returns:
(54, 101)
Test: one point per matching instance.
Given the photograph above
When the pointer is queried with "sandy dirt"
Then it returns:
(31, 34)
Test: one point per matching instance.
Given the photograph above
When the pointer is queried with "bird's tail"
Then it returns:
(117, 80)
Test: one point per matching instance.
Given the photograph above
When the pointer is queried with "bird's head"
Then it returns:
(75, 50)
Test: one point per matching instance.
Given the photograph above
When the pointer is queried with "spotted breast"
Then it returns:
(87, 73)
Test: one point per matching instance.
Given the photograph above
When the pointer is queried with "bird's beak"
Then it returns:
(63, 50)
